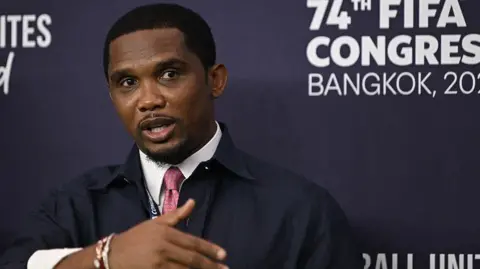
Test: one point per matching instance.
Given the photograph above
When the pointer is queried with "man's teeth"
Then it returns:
(157, 129)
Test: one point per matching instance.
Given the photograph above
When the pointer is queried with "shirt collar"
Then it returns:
(225, 154)
(154, 172)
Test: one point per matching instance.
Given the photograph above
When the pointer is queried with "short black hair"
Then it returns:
(197, 33)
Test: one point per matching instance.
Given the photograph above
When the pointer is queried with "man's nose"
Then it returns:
(151, 97)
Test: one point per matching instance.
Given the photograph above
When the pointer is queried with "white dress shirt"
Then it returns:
(153, 173)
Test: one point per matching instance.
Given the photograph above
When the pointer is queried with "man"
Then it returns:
(186, 197)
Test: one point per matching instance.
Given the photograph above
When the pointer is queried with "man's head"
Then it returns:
(159, 61)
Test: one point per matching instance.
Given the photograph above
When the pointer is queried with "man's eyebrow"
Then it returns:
(172, 62)
(116, 75)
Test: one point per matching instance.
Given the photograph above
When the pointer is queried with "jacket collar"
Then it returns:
(226, 155)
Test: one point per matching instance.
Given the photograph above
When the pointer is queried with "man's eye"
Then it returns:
(169, 75)
(128, 82)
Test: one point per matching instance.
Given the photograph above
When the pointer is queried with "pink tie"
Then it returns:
(172, 180)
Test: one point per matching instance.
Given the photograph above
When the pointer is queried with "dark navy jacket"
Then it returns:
(264, 216)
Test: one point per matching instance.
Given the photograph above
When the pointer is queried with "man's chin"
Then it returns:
(165, 153)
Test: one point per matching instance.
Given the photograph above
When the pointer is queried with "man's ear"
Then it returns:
(217, 76)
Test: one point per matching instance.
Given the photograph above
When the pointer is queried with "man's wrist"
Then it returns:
(84, 259)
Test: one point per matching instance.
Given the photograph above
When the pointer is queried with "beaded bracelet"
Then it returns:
(102, 250)
(106, 251)
(98, 262)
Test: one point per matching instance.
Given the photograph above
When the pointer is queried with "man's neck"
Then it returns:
(189, 164)
(213, 131)
(213, 128)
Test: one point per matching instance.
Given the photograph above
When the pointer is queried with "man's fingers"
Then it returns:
(174, 217)
(191, 258)
(185, 210)
(196, 244)
(191, 250)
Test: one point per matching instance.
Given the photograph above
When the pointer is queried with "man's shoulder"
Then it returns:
(290, 189)
(76, 190)
(90, 179)
(274, 176)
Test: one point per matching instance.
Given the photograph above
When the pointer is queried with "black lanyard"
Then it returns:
(153, 206)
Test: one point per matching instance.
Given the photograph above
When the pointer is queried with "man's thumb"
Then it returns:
(172, 218)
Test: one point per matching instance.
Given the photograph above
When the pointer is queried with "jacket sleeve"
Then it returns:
(39, 231)
(329, 242)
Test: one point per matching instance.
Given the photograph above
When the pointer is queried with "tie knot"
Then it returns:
(173, 178)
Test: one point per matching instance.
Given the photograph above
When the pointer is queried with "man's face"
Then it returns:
(162, 93)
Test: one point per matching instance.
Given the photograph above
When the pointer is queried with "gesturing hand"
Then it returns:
(157, 244)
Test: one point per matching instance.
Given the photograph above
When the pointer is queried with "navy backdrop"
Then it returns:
(403, 164)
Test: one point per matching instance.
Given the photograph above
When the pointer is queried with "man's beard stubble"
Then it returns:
(172, 156)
